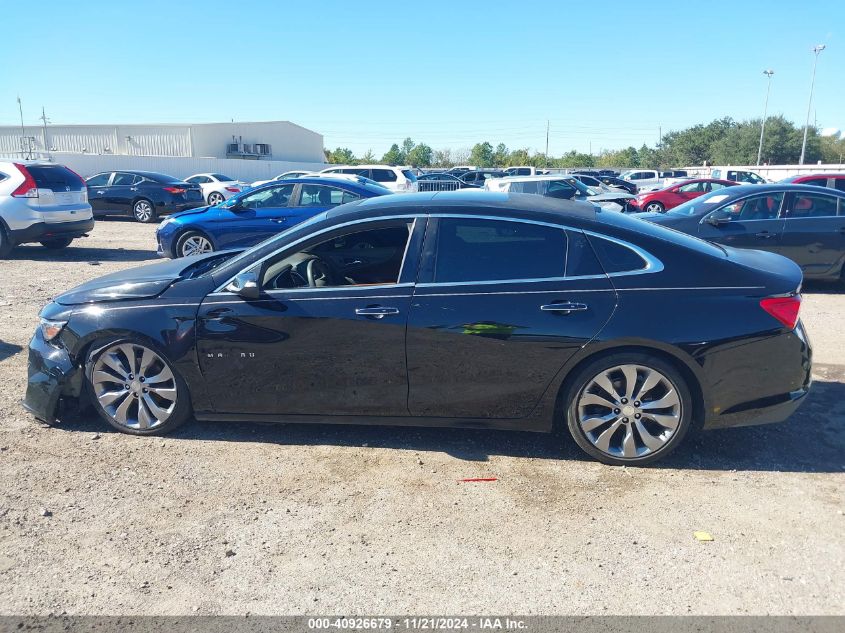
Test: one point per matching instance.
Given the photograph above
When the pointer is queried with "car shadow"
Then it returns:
(92, 256)
(811, 441)
(824, 287)
(7, 350)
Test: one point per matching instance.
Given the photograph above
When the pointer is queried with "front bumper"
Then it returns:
(51, 374)
(51, 230)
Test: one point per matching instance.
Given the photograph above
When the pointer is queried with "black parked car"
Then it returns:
(477, 177)
(440, 181)
(441, 309)
(613, 181)
(144, 195)
(802, 222)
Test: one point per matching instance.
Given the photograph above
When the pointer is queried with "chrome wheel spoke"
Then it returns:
(110, 397)
(115, 365)
(668, 400)
(592, 398)
(647, 438)
(591, 424)
(603, 441)
(630, 373)
(145, 419)
(666, 421)
(168, 393)
(629, 445)
(121, 414)
(163, 376)
(603, 381)
(652, 379)
(128, 352)
(156, 410)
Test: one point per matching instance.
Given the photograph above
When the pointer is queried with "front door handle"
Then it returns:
(564, 307)
(377, 312)
(764, 235)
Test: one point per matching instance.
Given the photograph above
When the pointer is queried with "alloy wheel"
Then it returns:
(134, 386)
(143, 211)
(215, 198)
(195, 245)
(654, 207)
(629, 411)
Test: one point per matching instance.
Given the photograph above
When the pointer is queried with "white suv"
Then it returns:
(42, 202)
(398, 179)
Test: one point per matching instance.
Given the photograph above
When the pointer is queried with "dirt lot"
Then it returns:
(237, 518)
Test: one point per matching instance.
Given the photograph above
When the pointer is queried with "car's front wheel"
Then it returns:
(57, 244)
(628, 409)
(193, 243)
(135, 389)
(144, 211)
(215, 197)
(655, 207)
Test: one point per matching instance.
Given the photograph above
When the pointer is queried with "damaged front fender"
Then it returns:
(52, 374)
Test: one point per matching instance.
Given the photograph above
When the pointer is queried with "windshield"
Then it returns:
(222, 178)
(699, 206)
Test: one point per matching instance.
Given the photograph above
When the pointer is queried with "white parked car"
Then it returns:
(737, 175)
(216, 187)
(296, 173)
(397, 179)
(645, 179)
(41, 202)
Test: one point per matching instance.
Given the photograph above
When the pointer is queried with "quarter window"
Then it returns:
(616, 258)
(320, 196)
(470, 249)
(121, 178)
(384, 175)
(693, 187)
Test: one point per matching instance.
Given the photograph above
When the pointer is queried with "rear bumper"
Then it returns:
(51, 230)
(761, 382)
(51, 373)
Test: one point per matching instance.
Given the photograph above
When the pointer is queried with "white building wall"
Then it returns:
(287, 140)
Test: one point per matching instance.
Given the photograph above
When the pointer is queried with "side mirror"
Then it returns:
(718, 221)
(245, 285)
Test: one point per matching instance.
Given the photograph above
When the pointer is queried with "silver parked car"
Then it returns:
(41, 202)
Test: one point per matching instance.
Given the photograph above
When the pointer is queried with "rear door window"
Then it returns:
(322, 196)
(811, 205)
(481, 250)
(125, 179)
(818, 182)
(384, 175)
(409, 175)
(55, 177)
(100, 180)
(839, 183)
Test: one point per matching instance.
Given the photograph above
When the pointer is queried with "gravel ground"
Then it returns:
(237, 518)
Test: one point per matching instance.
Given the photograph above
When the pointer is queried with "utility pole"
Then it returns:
(23, 131)
(768, 74)
(44, 121)
(660, 137)
(816, 50)
(547, 143)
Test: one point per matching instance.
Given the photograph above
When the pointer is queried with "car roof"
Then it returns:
(340, 183)
(468, 202)
(818, 175)
(741, 190)
(537, 177)
(366, 167)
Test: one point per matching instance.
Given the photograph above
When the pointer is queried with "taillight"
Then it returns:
(232, 189)
(175, 190)
(784, 309)
(28, 188)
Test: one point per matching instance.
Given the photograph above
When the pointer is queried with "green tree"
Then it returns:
(369, 158)
(518, 157)
(341, 156)
(420, 156)
(575, 159)
(407, 148)
(501, 155)
(394, 156)
(481, 154)
(443, 158)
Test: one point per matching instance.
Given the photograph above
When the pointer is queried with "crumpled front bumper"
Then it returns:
(51, 374)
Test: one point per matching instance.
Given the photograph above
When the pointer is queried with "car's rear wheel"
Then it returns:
(57, 244)
(655, 207)
(135, 389)
(144, 211)
(193, 243)
(628, 409)
(215, 197)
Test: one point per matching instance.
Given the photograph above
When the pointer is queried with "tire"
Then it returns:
(214, 198)
(654, 207)
(6, 245)
(144, 211)
(193, 243)
(135, 407)
(57, 244)
(646, 433)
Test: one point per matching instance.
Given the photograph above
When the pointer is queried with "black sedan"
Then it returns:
(466, 309)
(144, 195)
(613, 181)
(477, 177)
(802, 222)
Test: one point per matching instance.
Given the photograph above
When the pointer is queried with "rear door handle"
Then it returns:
(564, 307)
(764, 235)
(377, 312)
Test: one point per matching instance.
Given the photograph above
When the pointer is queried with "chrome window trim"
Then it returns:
(322, 289)
(410, 216)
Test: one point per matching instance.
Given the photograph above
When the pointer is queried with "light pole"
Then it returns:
(816, 50)
(768, 74)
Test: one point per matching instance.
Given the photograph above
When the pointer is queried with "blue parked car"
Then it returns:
(256, 214)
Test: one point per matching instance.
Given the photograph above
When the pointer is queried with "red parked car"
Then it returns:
(663, 199)
(834, 181)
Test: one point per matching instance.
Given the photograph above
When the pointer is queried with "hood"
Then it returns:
(184, 214)
(611, 196)
(135, 283)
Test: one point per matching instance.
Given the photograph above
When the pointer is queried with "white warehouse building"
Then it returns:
(249, 151)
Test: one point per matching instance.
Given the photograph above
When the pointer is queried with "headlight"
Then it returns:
(51, 329)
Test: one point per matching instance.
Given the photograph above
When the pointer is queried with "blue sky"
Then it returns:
(367, 74)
